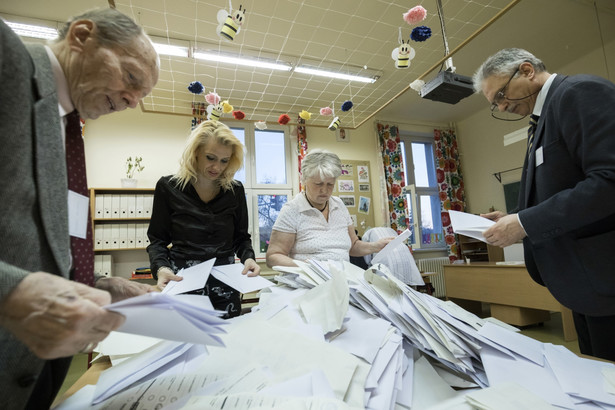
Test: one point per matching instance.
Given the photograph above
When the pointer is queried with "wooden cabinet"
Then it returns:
(512, 295)
(120, 219)
(479, 251)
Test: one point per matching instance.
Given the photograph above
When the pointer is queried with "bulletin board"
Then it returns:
(354, 188)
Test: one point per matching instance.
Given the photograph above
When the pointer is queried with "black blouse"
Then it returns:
(197, 230)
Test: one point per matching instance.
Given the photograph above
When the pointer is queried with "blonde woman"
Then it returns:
(201, 211)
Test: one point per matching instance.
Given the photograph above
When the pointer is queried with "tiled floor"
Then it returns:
(549, 332)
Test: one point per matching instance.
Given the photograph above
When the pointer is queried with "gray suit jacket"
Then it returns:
(567, 194)
(33, 195)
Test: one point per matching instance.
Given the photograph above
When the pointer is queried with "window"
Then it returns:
(422, 194)
(266, 176)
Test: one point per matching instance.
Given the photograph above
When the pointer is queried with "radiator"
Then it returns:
(435, 265)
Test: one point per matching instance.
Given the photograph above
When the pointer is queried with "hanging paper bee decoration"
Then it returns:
(214, 111)
(403, 54)
(215, 108)
(331, 111)
(335, 124)
(229, 24)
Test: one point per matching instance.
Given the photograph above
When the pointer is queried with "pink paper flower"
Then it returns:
(415, 15)
(326, 111)
(212, 98)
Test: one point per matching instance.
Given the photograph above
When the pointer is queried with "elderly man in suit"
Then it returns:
(565, 215)
(101, 63)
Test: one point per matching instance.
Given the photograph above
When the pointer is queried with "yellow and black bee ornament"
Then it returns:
(229, 24)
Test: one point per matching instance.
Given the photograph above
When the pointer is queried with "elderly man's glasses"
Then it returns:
(499, 98)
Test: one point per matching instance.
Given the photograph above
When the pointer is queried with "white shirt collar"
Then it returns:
(542, 95)
(65, 105)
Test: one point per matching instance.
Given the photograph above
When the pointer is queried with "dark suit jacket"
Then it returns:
(33, 194)
(567, 202)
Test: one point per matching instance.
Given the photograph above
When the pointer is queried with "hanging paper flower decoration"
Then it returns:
(415, 15)
(212, 98)
(239, 115)
(226, 107)
(305, 115)
(326, 111)
(283, 120)
(347, 106)
(420, 33)
(196, 87)
(261, 125)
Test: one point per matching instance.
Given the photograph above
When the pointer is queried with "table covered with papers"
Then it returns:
(333, 336)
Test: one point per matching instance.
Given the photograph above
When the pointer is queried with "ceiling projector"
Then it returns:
(448, 87)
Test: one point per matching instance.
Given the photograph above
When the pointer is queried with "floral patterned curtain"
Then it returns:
(390, 148)
(450, 185)
(301, 144)
(198, 112)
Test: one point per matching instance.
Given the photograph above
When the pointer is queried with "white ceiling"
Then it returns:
(345, 35)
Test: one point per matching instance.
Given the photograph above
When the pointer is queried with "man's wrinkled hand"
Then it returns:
(56, 317)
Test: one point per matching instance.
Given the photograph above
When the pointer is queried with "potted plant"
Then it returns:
(132, 166)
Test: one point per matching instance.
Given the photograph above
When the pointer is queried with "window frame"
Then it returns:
(252, 188)
(414, 191)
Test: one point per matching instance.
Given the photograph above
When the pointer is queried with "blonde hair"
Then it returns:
(206, 133)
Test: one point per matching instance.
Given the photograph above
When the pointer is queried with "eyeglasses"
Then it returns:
(500, 96)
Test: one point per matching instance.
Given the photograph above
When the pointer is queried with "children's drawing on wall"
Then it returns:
(348, 200)
(363, 205)
(354, 220)
(363, 171)
(342, 135)
(364, 187)
(345, 186)
(347, 170)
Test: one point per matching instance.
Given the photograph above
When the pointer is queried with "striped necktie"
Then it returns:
(82, 250)
(531, 130)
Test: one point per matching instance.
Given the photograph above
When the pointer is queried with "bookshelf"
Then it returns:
(120, 219)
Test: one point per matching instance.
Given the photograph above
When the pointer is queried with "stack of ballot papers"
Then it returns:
(374, 343)
(184, 318)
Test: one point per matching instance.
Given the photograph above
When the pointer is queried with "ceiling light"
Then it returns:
(29, 30)
(171, 50)
(250, 62)
(333, 74)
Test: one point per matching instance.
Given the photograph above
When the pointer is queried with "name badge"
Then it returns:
(539, 156)
(78, 206)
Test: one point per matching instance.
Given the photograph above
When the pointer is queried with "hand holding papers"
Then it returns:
(184, 318)
(195, 277)
(232, 276)
(397, 257)
(469, 224)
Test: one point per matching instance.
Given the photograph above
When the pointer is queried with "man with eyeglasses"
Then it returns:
(565, 215)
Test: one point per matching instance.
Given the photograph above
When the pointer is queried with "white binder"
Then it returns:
(115, 206)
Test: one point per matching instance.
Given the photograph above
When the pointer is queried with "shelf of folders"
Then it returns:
(120, 217)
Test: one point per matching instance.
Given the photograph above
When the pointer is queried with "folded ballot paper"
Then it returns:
(182, 318)
(196, 276)
(469, 224)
